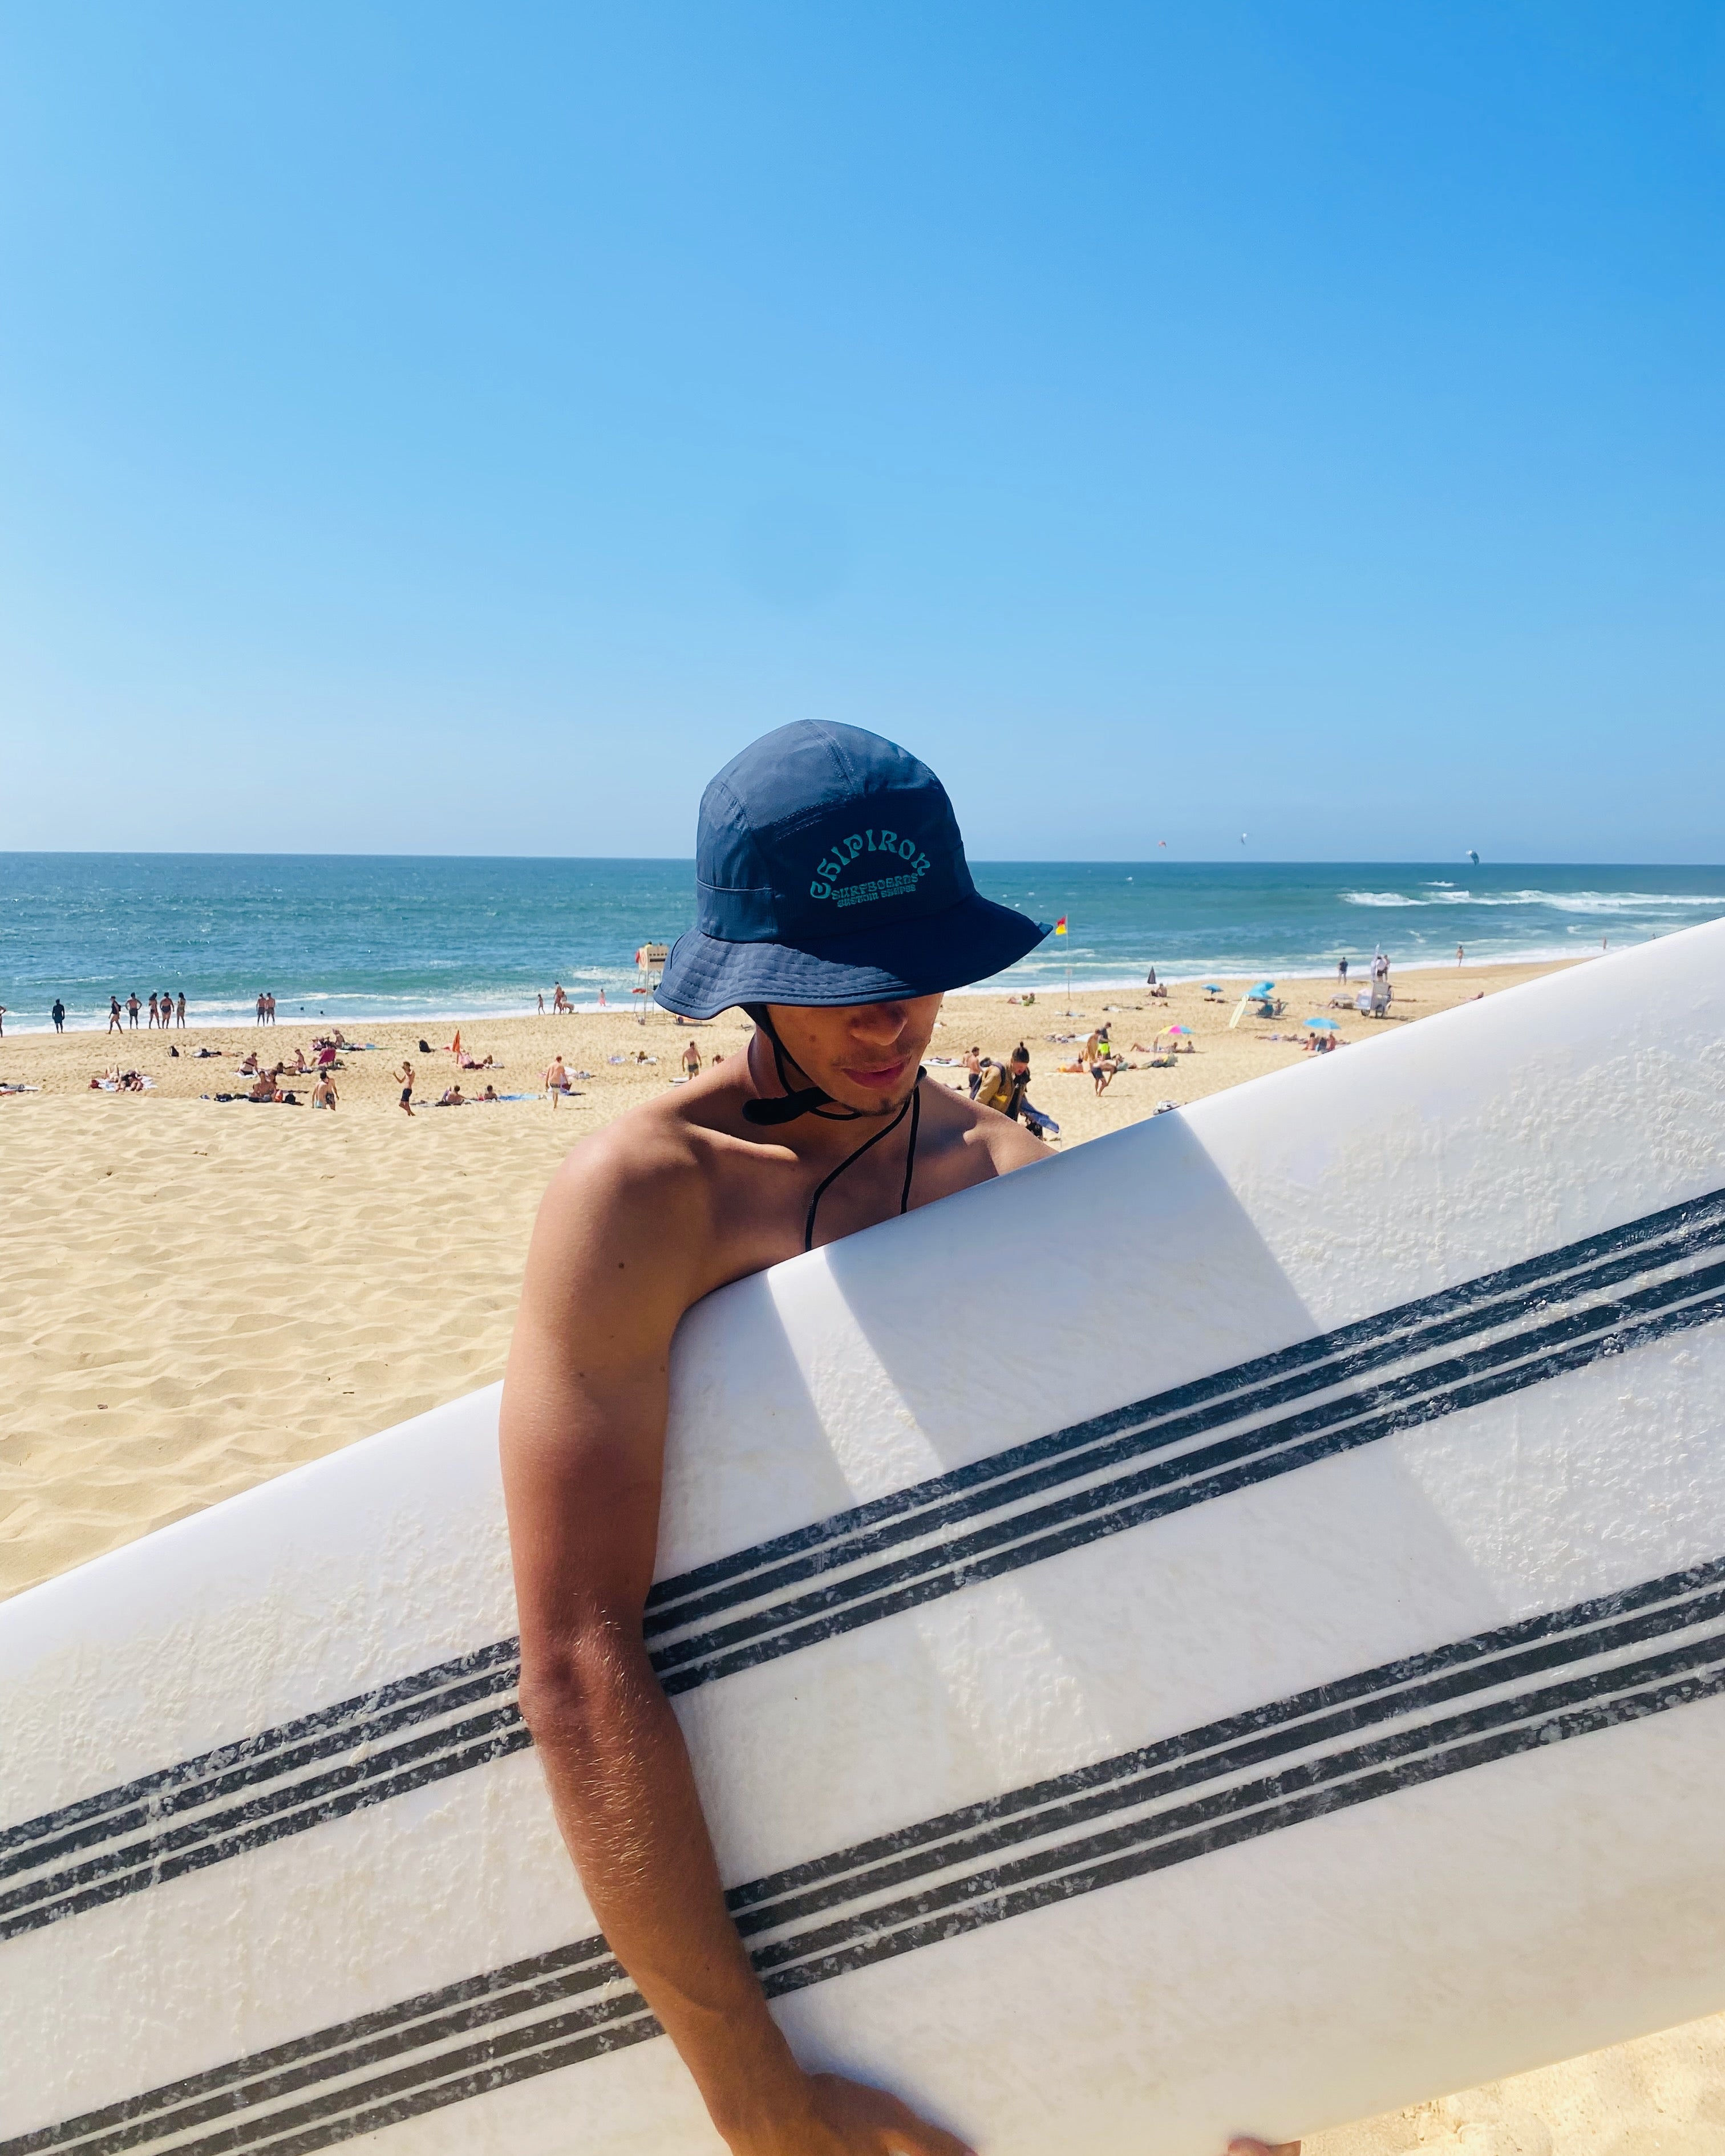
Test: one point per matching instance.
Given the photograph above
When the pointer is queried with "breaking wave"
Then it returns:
(1559, 902)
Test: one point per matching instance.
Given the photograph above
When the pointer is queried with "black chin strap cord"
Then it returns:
(811, 1101)
(912, 1108)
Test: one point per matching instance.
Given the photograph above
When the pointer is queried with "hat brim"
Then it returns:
(965, 942)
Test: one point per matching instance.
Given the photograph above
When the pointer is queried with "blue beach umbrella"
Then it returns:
(1322, 1025)
(1263, 989)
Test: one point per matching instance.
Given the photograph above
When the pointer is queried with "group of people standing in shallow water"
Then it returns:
(165, 1010)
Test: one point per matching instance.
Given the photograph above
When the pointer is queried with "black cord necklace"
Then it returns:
(812, 1101)
(912, 1108)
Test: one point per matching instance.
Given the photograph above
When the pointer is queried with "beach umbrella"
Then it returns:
(1263, 989)
(1176, 1029)
(1322, 1025)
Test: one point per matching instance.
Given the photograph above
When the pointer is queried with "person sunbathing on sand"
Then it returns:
(265, 1090)
(451, 1097)
(822, 1127)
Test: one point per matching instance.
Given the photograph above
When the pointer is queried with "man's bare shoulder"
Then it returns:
(652, 1173)
(993, 1143)
(645, 1156)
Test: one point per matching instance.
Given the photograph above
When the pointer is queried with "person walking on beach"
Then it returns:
(1459, 954)
(113, 1026)
(705, 1182)
(59, 1016)
(404, 1079)
(541, 1003)
(324, 1094)
(822, 1126)
(973, 1068)
(555, 1081)
(1341, 971)
(691, 1061)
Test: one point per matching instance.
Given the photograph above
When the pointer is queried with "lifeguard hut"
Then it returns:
(651, 963)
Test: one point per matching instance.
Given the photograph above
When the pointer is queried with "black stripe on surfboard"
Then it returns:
(1257, 1454)
(1521, 1686)
(288, 1810)
(231, 1800)
(230, 1767)
(1519, 1290)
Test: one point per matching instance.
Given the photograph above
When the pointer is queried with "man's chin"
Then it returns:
(873, 1098)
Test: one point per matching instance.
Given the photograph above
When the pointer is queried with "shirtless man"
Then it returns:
(823, 1128)
(555, 1081)
(404, 1079)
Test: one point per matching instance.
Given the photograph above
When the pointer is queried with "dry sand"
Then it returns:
(198, 1294)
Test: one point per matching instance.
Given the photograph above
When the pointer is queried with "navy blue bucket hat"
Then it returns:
(829, 870)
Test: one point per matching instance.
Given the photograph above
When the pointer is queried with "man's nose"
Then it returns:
(883, 1022)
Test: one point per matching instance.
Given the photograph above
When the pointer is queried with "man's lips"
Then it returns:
(880, 1074)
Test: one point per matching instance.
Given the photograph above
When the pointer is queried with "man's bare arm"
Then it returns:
(584, 1429)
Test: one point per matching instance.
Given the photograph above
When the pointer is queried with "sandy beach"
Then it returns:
(199, 1294)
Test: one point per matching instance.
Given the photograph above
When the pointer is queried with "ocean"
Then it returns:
(356, 939)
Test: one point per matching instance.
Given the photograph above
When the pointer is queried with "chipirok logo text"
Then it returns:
(838, 858)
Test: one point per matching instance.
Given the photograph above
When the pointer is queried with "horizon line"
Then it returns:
(1014, 860)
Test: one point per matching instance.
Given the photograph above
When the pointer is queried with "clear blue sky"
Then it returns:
(435, 428)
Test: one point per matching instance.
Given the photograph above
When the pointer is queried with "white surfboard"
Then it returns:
(1222, 1630)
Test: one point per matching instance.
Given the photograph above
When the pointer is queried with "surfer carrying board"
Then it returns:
(835, 905)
